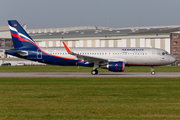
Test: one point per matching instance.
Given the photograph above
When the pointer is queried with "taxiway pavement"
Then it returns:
(88, 74)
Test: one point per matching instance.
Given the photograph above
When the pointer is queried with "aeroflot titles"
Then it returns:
(132, 49)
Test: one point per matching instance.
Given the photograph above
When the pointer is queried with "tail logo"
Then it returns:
(18, 35)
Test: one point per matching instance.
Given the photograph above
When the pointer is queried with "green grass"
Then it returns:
(89, 98)
(82, 69)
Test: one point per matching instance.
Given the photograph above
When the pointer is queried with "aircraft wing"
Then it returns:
(90, 59)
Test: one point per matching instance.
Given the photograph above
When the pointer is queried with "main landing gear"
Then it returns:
(94, 72)
(152, 70)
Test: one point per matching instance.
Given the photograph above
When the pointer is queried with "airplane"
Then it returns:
(113, 59)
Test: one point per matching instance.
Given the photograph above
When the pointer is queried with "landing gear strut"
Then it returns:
(152, 70)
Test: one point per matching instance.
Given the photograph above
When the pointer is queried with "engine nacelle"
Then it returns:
(114, 66)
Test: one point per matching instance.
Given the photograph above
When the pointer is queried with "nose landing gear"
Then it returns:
(152, 70)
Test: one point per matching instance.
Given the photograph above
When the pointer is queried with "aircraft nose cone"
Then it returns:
(173, 59)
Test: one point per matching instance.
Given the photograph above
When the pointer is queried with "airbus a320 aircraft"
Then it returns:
(113, 59)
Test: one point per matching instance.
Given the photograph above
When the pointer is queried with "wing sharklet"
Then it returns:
(66, 47)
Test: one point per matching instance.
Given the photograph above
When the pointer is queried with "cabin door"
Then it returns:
(153, 54)
(39, 54)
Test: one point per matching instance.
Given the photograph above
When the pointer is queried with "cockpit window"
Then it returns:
(165, 53)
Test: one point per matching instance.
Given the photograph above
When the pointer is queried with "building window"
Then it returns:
(7, 41)
(175, 49)
(175, 36)
(7, 45)
(175, 42)
(175, 55)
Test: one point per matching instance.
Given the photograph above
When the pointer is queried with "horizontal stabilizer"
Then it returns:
(23, 53)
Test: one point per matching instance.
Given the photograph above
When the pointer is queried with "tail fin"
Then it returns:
(21, 39)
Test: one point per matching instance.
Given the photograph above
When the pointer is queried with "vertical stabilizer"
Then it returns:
(20, 38)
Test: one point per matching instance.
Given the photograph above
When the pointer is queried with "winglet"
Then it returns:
(66, 47)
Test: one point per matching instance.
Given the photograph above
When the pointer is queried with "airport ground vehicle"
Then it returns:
(20, 64)
(6, 64)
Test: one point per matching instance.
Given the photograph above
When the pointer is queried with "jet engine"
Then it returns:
(114, 66)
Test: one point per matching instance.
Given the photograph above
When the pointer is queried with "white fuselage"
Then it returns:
(131, 56)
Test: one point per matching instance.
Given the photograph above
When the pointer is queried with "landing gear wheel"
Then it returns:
(94, 72)
(152, 73)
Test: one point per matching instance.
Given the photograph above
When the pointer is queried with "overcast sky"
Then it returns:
(70, 13)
